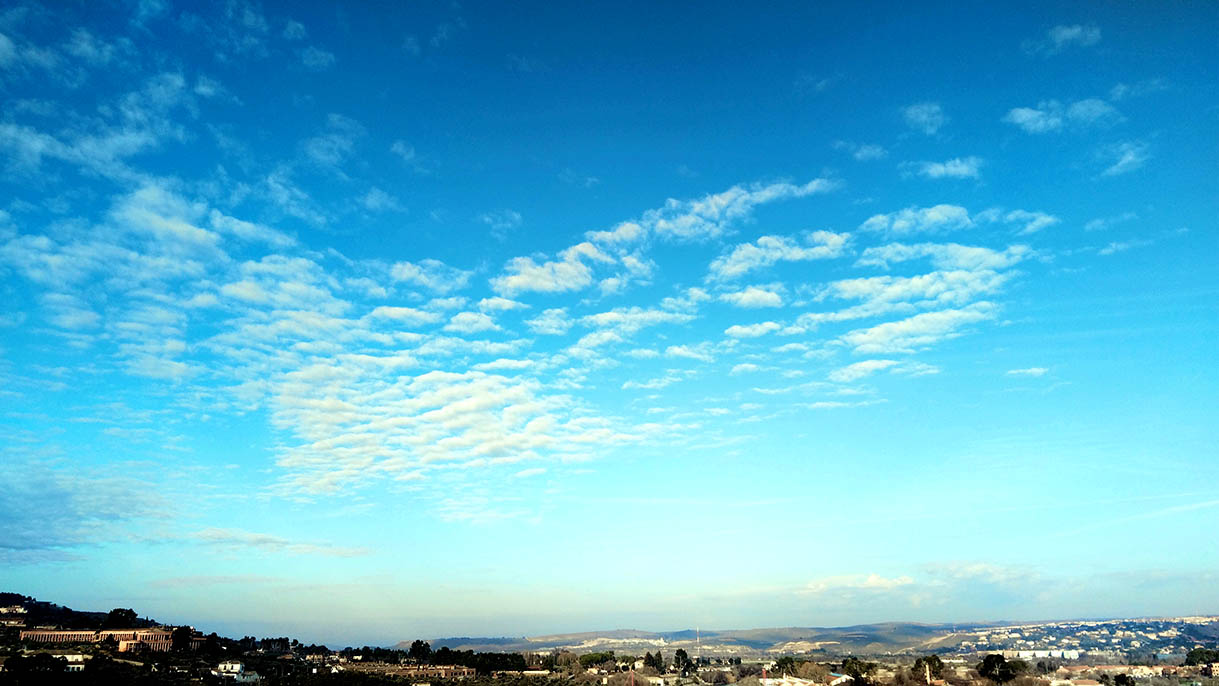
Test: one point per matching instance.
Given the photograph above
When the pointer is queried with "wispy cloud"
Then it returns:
(955, 168)
(769, 250)
(1124, 157)
(238, 540)
(919, 220)
(925, 117)
(1063, 36)
(1050, 115)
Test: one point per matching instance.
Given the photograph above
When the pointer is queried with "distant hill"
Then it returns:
(864, 639)
(42, 613)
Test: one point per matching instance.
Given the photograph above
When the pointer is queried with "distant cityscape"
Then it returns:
(41, 642)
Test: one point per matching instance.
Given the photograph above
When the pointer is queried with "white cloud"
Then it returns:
(568, 273)
(700, 352)
(1029, 222)
(1122, 246)
(1062, 37)
(655, 384)
(403, 149)
(946, 255)
(1125, 157)
(8, 51)
(170, 220)
(744, 368)
(919, 220)
(751, 330)
(237, 539)
(1092, 111)
(862, 152)
(503, 364)
(711, 215)
(378, 200)
(404, 314)
(626, 232)
(754, 296)
(554, 322)
(501, 221)
(294, 30)
(69, 312)
(336, 143)
(956, 168)
(1122, 91)
(1050, 115)
(869, 151)
(315, 58)
(526, 473)
(870, 582)
(858, 370)
(768, 250)
(919, 331)
(433, 275)
(927, 117)
(1102, 223)
(497, 304)
(471, 322)
(248, 230)
(1046, 117)
(938, 288)
(1031, 371)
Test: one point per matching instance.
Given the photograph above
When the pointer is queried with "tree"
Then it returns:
(999, 669)
(1123, 680)
(1201, 656)
(120, 618)
(808, 669)
(1046, 666)
(421, 651)
(180, 639)
(785, 665)
(590, 659)
(39, 663)
(683, 663)
(928, 663)
(858, 670)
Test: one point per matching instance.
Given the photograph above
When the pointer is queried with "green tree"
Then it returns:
(785, 665)
(590, 659)
(999, 669)
(180, 639)
(683, 663)
(925, 664)
(120, 618)
(859, 671)
(39, 663)
(1201, 656)
(421, 651)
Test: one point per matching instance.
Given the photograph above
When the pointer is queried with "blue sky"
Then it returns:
(363, 325)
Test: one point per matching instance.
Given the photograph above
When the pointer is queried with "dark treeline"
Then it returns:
(421, 653)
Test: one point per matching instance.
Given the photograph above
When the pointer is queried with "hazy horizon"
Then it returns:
(347, 322)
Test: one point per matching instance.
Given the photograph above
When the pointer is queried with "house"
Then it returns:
(232, 670)
(230, 667)
(76, 661)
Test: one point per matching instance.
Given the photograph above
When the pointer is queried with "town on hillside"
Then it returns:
(44, 643)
